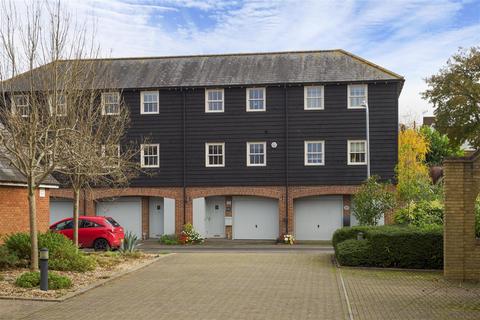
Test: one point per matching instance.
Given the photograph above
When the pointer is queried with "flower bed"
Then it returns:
(108, 264)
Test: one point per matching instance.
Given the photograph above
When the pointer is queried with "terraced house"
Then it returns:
(248, 146)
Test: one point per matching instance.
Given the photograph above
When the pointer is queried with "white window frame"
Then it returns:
(142, 155)
(305, 98)
(50, 105)
(118, 153)
(207, 101)
(142, 101)
(305, 147)
(264, 99)
(207, 162)
(349, 151)
(264, 164)
(349, 106)
(15, 106)
(103, 103)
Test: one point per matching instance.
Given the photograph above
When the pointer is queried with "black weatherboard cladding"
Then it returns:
(335, 125)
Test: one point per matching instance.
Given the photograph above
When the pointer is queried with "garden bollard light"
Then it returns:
(360, 236)
(44, 269)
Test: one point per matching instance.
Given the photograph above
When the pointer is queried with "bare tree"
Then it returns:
(33, 78)
(95, 153)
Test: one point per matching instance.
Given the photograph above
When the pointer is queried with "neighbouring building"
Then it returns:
(247, 146)
(14, 216)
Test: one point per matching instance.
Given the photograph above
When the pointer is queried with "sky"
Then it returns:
(411, 38)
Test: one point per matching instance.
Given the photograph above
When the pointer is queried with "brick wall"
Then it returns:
(185, 214)
(14, 210)
(461, 248)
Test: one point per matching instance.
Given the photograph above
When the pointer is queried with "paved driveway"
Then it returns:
(214, 286)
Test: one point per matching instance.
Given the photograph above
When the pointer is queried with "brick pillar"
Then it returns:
(188, 213)
(228, 213)
(291, 214)
(347, 208)
(90, 209)
(145, 217)
(461, 249)
(179, 213)
(282, 215)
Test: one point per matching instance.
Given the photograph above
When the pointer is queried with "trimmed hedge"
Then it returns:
(390, 246)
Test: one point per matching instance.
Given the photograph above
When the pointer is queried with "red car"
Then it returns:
(100, 233)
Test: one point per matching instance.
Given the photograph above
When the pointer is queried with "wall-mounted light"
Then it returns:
(274, 145)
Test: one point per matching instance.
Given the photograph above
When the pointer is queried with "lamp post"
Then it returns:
(365, 104)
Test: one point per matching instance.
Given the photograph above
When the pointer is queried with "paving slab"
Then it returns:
(393, 294)
(214, 286)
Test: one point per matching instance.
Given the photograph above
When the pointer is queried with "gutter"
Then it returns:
(20, 184)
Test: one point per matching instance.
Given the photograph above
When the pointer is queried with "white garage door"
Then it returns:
(127, 211)
(317, 218)
(60, 209)
(255, 218)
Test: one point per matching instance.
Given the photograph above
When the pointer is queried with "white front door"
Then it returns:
(215, 217)
(317, 218)
(255, 218)
(156, 228)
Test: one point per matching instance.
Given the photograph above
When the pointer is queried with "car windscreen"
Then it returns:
(113, 222)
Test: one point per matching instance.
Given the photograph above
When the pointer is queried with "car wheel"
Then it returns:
(101, 245)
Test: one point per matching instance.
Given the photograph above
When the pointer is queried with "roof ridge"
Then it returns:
(212, 55)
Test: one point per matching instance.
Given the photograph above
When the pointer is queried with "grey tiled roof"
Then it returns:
(240, 69)
(9, 174)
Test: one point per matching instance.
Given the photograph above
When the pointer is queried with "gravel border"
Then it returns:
(91, 286)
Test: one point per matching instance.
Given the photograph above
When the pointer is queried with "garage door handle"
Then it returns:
(318, 226)
(256, 226)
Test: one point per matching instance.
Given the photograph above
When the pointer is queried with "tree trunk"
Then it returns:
(32, 210)
(76, 210)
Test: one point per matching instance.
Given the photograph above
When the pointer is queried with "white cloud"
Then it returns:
(412, 38)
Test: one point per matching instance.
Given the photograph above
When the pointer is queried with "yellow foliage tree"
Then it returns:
(412, 173)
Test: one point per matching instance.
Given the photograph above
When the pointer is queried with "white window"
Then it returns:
(150, 155)
(149, 102)
(255, 99)
(357, 152)
(58, 107)
(313, 98)
(215, 154)
(214, 100)
(110, 103)
(21, 105)
(112, 153)
(357, 96)
(256, 154)
(314, 153)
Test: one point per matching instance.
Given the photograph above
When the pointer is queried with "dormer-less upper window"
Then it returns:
(21, 105)
(110, 103)
(357, 96)
(149, 102)
(313, 98)
(214, 100)
(58, 107)
(256, 99)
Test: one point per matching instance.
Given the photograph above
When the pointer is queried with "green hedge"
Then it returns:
(390, 246)
(32, 280)
(63, 254)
